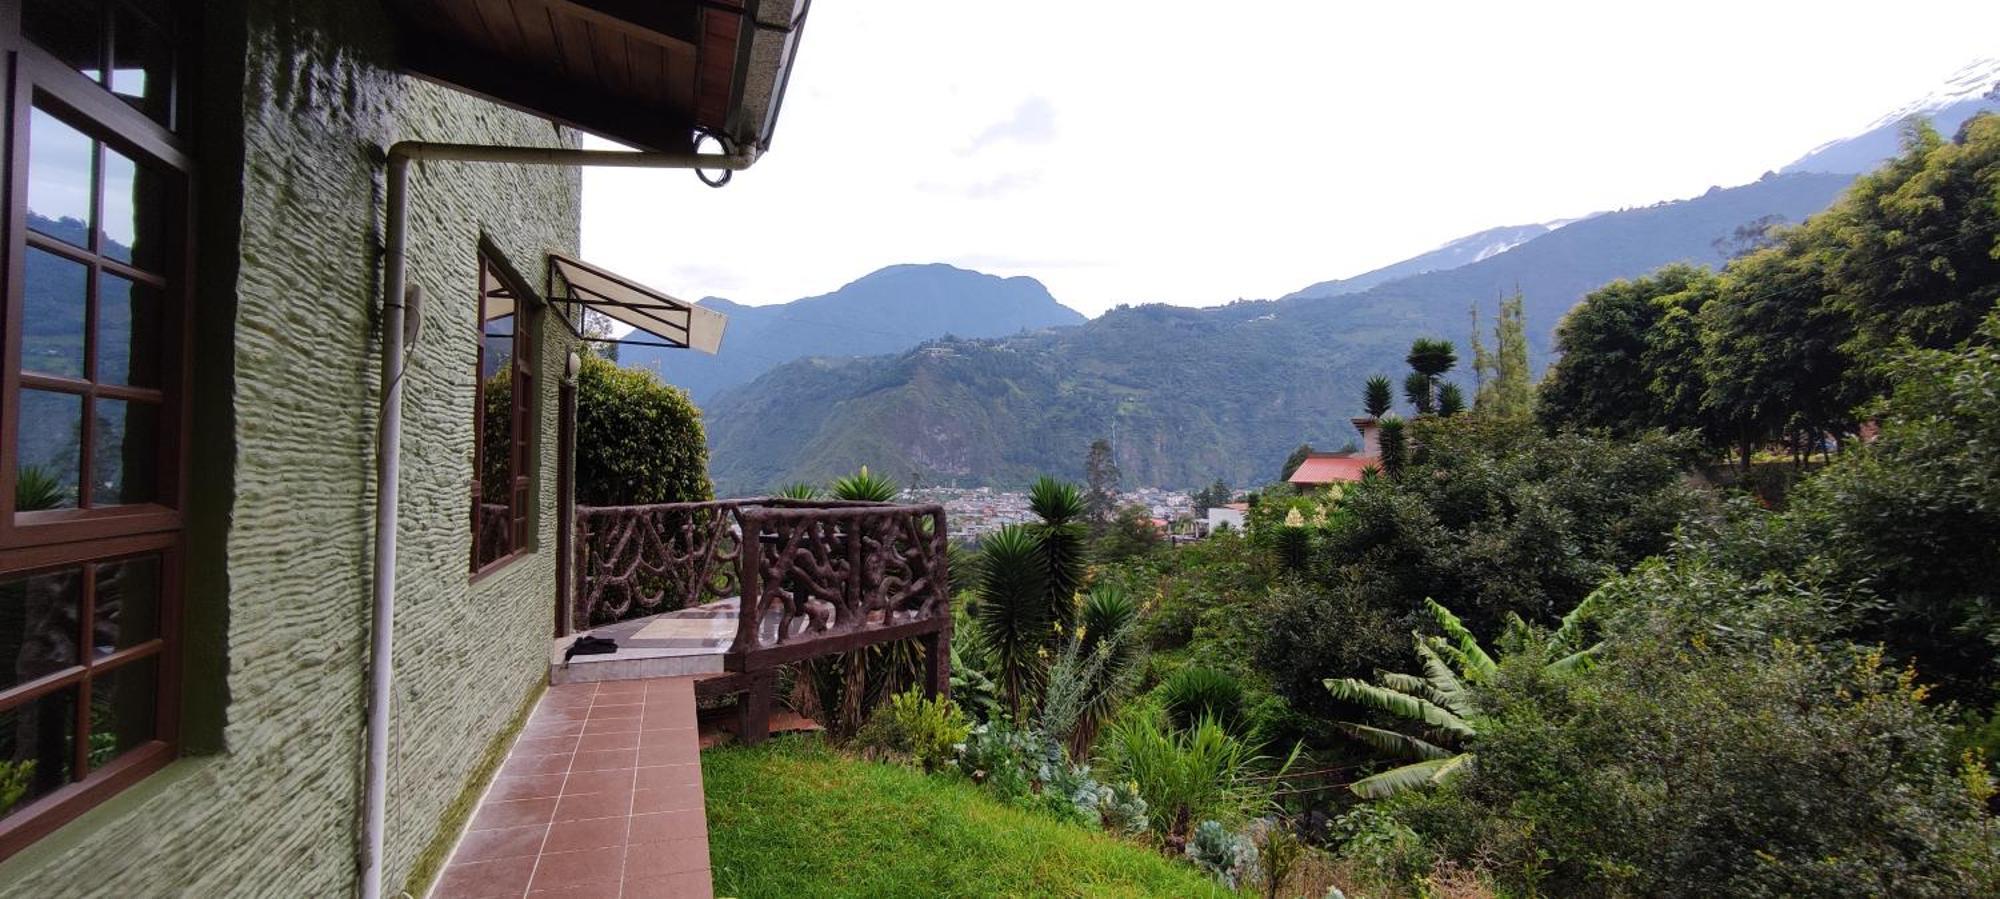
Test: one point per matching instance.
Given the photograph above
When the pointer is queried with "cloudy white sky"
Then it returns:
(1197, 153)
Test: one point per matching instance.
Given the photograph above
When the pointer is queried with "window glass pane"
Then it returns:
(122, 704)
(48, 450)
(493, 513)
(128, 332)
(127, 604)
(127, 442)
(59, 160)
(71, 30)
(38, 624)
(142, 65)
(37, 753)
(53, 297)
(134, 212)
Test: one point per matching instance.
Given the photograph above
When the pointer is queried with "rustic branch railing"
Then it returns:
(820, 576)
(814, 577)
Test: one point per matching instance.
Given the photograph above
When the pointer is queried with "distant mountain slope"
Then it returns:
(1975, 89)
(887, 311)
(1463, 251)
(1193, 394)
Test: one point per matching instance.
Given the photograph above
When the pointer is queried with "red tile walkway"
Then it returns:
(600, 797)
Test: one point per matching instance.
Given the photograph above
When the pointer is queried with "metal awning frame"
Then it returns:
(576, 298)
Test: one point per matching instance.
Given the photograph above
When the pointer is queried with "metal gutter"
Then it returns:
(397, 297)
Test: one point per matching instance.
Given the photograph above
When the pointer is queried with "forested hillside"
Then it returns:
(886, 311)
(1193, 394)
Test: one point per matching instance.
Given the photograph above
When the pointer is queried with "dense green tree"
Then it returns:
(1916, 243)
(1377, 396)
(1429, 360)
(1771, 357)
(1718, 740)
(638, 440)
(1130, 534)
(1602, 378)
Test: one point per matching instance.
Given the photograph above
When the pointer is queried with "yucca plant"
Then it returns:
(1191, 694)
(799, 490)
(1441, 700)
(865, 487)
(1064, 541)
(1451, 400)
(36, 488)
(1378, 396)
(1013, 612)
(1395, 446)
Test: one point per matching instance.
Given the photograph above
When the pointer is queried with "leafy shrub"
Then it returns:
(638, 440)
(1707, 747)
(1316, 632)
(1184, 776)
(1031, 769)
(925, 731)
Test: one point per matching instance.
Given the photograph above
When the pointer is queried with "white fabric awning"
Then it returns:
(678, 323)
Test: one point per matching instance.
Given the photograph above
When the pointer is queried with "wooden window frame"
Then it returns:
(494, 270)
(83, 538)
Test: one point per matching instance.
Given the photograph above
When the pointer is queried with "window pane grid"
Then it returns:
(502, 440)
(105, 702)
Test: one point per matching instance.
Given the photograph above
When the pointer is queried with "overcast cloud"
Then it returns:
(1197, 153)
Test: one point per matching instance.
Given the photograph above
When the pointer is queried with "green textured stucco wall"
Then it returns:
(286, 402)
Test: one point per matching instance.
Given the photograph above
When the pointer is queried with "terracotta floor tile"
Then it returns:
(521, 765)
(513, 813)
(558, 870)
(600, 742)
(570, 836)
(683, 751)
(527, 786)
(621, 688)
(688, 885)
(603, 760)
(665, 857)
(504, 877)
(616, 780)
(545, 745)
(559, 713)
(686, 797)
(671, 828)
(537, 730)
(506, 842)
(661, 777)
(677, 717)
(605, 890)
(611, 726)
(585, 806)
(602, 712)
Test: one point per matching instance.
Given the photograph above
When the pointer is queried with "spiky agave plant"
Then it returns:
(799, 490)
(866, 487)
(1013, 612)
(1451, 400)
(1395, 437)
(1064, 541)
(1441, 700)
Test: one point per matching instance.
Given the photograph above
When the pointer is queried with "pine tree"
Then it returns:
(1504, 385)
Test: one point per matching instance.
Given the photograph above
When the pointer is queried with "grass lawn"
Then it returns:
(793, 818)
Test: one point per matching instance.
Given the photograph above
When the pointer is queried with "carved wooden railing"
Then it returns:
(830, 573)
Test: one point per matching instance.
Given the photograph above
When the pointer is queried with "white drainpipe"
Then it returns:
(389, 452)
